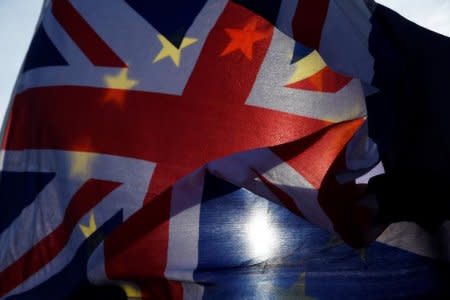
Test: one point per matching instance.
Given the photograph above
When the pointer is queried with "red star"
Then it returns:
(244, 39)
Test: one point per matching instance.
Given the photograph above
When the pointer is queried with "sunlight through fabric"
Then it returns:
(262, 240)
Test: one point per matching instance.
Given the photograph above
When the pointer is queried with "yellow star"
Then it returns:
(299, 288)
(362, 254)
(131, 289)
(81, 164)
(296, 291)
(118, 85)
(89, 230)
(335, 240)
(169, 50)
(120, 81)
(307, 66)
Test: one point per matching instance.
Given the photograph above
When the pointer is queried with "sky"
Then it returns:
(18, 19)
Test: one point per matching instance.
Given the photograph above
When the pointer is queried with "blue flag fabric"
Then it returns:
(411, 71)
(298, 260)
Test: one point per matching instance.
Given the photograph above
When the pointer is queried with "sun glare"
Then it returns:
(261, 235)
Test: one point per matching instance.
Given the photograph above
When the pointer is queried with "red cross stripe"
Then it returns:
(208, 121)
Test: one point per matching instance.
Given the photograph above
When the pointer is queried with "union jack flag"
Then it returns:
(129, 116)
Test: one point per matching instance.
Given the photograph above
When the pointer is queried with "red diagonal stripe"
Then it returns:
(326, 80)
(313, 156)
(138, 248)
(284, 198)
(88, 196)
(308, 21)
(96, 50)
